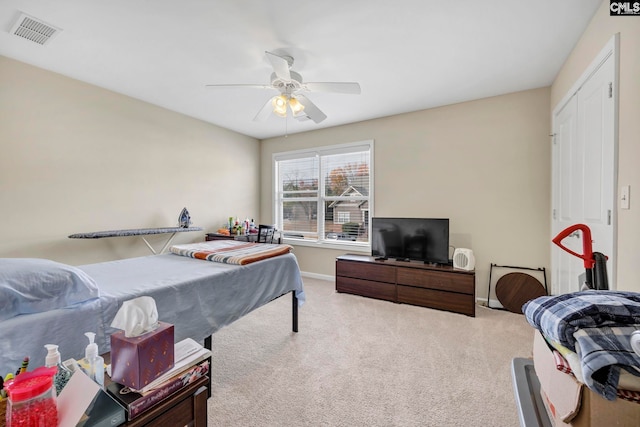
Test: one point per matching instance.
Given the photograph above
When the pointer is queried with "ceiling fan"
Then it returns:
(292, 89)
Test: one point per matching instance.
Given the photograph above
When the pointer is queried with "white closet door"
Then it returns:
(596, 121)
(567, 172)
(584, 175)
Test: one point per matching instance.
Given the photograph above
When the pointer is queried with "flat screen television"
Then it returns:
(420, 239)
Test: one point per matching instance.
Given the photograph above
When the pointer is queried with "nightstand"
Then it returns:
(186, 407)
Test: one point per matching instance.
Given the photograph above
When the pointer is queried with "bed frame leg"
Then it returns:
(208, 346)
(208, 342)
(294, 311)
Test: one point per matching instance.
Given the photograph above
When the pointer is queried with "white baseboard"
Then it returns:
(318, 276)
(493, 303)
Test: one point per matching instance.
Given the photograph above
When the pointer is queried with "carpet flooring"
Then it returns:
(362, 362)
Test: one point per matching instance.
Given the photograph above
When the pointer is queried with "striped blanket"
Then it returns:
(230, 251)
(603, 353)
(597, 325)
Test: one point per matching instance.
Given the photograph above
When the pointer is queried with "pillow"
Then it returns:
(32, 285)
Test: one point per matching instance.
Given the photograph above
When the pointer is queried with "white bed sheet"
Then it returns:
(198, 297)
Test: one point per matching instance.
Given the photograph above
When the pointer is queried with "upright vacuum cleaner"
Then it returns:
(595, 263)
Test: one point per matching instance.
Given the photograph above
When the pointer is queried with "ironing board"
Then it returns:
(138, 232)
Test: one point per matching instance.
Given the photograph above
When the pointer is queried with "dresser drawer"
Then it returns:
(445, 281)
(186, 407)
(379, 290)
(441, 300)
(366, 271)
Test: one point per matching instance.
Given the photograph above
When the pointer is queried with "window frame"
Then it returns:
(319, 152)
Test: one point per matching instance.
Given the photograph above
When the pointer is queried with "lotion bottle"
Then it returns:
(63, 375)
(93, 363)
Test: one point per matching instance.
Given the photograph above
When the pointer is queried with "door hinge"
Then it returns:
(609, 217)
(610, 90)
(553, 214)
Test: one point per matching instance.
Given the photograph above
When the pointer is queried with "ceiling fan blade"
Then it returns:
(310, 109)
(265, 111)
(280, 66)
(334, 87)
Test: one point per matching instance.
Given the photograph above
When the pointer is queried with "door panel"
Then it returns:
(583, 169)
(567, 171)
(596, 119)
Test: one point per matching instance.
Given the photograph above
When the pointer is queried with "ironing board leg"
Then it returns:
(164, 248)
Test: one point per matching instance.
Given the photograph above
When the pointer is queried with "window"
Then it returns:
(342, 217)
(324, 195)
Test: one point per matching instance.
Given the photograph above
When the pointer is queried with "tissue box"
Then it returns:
(136, 361)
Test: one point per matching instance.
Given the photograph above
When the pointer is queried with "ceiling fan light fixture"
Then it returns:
(296, 107)
(280, 105)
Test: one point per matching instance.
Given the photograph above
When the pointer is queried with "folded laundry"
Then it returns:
(597, 325)
(559, 316)
(230, 252)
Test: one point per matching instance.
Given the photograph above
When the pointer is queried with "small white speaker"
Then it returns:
(464, 259)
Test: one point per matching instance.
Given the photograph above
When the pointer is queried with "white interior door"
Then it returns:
(567, 172)
(584, 175)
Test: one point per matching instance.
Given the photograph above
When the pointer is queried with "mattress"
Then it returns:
(26, 335)
(198, 297)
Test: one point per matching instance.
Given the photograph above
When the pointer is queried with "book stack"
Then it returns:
(191, 362)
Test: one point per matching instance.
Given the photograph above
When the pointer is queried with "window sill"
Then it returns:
(350, 246)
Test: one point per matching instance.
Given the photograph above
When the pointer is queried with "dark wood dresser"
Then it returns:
(408, 282)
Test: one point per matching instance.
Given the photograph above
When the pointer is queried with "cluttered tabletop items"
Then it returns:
(146, 368)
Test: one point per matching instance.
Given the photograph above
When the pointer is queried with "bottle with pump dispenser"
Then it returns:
(63, 375)
(93, 363)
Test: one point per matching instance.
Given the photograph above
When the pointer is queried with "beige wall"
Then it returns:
(601, 29)
(77, 158)
(484, 164)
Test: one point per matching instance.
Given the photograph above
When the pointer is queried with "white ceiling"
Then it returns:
(407, 55)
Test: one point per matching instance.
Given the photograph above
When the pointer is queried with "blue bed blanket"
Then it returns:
(197, 297)
(597, 325)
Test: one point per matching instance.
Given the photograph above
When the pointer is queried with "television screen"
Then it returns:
(421, 239)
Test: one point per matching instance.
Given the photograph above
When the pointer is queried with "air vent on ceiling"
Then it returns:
(33, 29)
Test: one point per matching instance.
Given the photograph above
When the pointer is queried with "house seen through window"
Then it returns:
(324, 195)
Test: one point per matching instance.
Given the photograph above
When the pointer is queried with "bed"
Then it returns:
(198, 296)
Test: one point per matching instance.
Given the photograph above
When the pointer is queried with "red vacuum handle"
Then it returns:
(587, 256)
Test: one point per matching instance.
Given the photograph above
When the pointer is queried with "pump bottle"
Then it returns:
(63, 375)
(93, 363)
